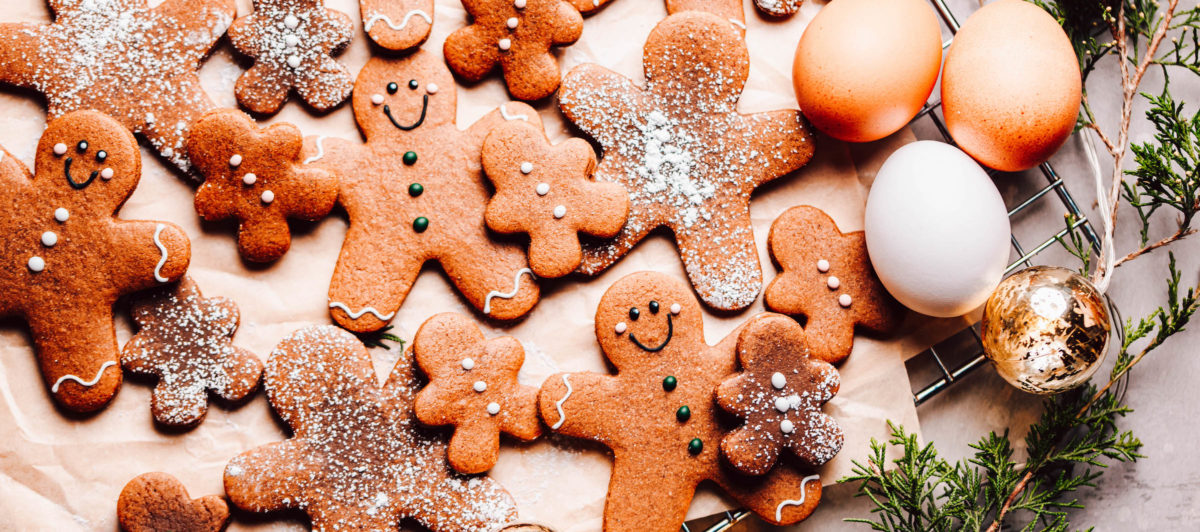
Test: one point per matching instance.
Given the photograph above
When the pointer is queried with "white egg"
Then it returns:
(937, 230)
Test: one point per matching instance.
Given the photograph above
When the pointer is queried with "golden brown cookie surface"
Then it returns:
(827, 277)
(549, 193)
(689, 160)
(658, 415)
(473, 386)
(357, 460)
(292, 43)
(397, 24)
(154, 502)
(123, 58)
(257, 176)
(70, 258)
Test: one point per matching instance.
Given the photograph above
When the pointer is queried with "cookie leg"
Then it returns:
(722, 262)
(534, 78)
(397, 24)
(178, 404)
(368, 287)
(166, 128)
(77, 352)
(264, 239)
(494, 277)
(261, 90)
(829, 339)
(330, 87)
(783, 497)
(474, 448)
(644, 496)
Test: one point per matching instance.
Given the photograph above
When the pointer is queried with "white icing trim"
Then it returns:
(797, 502)
(738, 23)
(504, 113)
(161, 249)
(99, 374)
(562, 416)
(320, 151)
(356, 315)
(379, 16)
(487, 301)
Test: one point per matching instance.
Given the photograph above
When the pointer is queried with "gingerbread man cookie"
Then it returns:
(397, 24)
(651, 329)
(186, 340)
(357, 459)
(689, 160)
(135, 63)
(779, 395)
(827, 277)
(517, 36)
(257, 176)
(155, 502)
(473, 386)
(414, 193)
(70, 258)
(292, 43)
(548, 192)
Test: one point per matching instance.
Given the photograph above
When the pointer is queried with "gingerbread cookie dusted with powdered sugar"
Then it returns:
(69, 258)
(414, 193)
(473, 386)
(397, 24)
(186, 340)
(549, 193)
(689, 160)
(515, 35)
(292, 43)
(358, 459)
(157, 502)
(123, 58)
(779, 394)
(657, 413)
(827, 277)
(257, 176)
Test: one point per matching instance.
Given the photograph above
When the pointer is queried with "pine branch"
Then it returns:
(380, 338)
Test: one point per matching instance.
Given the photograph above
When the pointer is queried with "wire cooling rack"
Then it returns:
(966, 347)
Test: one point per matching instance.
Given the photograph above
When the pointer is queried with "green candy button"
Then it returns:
(695, 446)
(683, 414)
(415, 189)
(420, 224)
(410, 158)
(669, 383)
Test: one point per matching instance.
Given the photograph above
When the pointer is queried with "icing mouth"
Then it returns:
(670, 331)
(387, 110)
(71, 181)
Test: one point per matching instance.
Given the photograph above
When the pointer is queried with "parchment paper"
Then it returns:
(64, 472)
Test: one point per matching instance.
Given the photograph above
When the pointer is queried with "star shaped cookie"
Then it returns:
(689, 160)
(121, 57)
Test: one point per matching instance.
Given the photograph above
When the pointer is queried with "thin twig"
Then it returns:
(1178, 235)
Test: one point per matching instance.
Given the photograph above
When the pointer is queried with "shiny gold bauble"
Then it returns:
(1046, 329)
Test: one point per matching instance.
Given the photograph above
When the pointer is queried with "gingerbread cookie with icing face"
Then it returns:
(292, 43)
(69, 257)
(186, 340)
(548, 192)
(515, 35)
(779, 394)
(123, 58)
(358, 459)
(689, 160)
(415, 193)
(155, 502)
(473, 386)
(827, 277)
(257, 176)
(651, 329)
(397, 24)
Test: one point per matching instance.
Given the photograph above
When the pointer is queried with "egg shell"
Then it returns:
(864, 68)
(1011, 86)
(937, 229)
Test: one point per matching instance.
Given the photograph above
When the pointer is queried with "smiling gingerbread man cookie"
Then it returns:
(69, 258)
(651, 329)
(415, 193)
(827, 278)
(689, 160)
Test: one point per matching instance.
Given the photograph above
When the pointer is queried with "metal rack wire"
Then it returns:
(967, 344)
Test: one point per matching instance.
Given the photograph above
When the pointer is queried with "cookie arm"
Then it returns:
(20, 44)
(583, 405)
(213, 15)
(154, 253)
(272, 477)
(784, 496)
(782, 140)
(77, 353)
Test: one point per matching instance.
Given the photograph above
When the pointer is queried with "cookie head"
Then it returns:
(90, 157)
(647, 314)
(697, 51)
(397, 95)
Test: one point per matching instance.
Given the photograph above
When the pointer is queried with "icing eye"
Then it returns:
(634, 313)
(412, 84)
(82, 146)
(392, 87)
(654, 307)
(101, 155)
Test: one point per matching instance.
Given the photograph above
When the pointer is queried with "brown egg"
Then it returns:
(864, 68)
(1011, 86)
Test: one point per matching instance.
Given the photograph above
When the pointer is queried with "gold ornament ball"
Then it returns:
(1046, 329)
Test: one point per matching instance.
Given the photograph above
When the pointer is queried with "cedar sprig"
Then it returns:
(381, 338)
